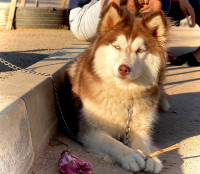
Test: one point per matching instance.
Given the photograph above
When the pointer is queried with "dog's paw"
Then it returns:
(133, 161)
(153, 165)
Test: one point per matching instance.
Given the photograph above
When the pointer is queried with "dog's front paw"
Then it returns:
(133, 161)
(153, 165)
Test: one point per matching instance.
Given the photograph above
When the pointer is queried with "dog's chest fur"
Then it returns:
(110, 111)
(105, 105)
(104, 91)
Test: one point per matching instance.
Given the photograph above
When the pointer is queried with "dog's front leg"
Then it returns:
(142, 141)
(103, 144)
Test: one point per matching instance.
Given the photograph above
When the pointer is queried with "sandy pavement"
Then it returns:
(25, 47)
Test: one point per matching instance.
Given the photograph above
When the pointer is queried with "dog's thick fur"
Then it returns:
(137, 44)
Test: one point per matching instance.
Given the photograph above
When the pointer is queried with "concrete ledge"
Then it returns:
(28, 111)
(16, 143)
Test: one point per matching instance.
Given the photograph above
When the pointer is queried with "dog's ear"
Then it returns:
(158, 25)
(110, 16)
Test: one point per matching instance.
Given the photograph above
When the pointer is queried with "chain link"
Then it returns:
(128, 129)
(16, 68)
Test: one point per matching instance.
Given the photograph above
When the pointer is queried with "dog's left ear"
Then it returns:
(110, 16)
(158, 25)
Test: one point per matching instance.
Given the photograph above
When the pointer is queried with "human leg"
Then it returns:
(84, 20)
(192, 58)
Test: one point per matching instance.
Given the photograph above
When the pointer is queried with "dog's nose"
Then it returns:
(124, 70)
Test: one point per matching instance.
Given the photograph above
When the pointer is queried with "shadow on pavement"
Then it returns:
(23, 59)
(176, 51)
(180, 123)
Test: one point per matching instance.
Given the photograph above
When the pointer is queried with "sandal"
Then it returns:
(180, 60)
(192, 61)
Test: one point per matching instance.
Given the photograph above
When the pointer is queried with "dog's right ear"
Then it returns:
(110, 16)
(158, 25)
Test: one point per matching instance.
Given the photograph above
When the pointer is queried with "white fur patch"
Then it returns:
(157, 22)
(153, 165)
(122, 42)
(138, 43)
(144, 67)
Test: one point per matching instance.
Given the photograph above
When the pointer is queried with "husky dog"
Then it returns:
(119, 78)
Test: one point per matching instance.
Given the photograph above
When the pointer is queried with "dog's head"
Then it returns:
(131, 49)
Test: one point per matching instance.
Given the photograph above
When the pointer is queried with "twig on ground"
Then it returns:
(176, 146)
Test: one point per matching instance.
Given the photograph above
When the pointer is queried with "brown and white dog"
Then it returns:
(123, 68)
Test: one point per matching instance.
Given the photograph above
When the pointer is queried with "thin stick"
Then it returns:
(11, 14)
(36, 3)
(63, 3)
(23, 2)
(176, 146)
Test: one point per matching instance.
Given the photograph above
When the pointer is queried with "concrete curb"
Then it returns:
(28, 111)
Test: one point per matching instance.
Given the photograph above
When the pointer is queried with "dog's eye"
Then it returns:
(116, 46)
(140, 51)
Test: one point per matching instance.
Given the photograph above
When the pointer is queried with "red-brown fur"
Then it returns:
(93, 90)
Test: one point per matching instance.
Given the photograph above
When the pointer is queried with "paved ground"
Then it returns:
(25, 47)
(180, 125)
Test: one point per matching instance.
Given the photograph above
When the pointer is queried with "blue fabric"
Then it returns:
(177, 15)
(166, 6)
(196, 5)
(77, 3)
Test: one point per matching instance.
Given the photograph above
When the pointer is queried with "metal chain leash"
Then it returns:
(128, 129)
(16, 68)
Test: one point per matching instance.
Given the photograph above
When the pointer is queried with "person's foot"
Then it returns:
(180, 60)
(192, 58)
(196, 54)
